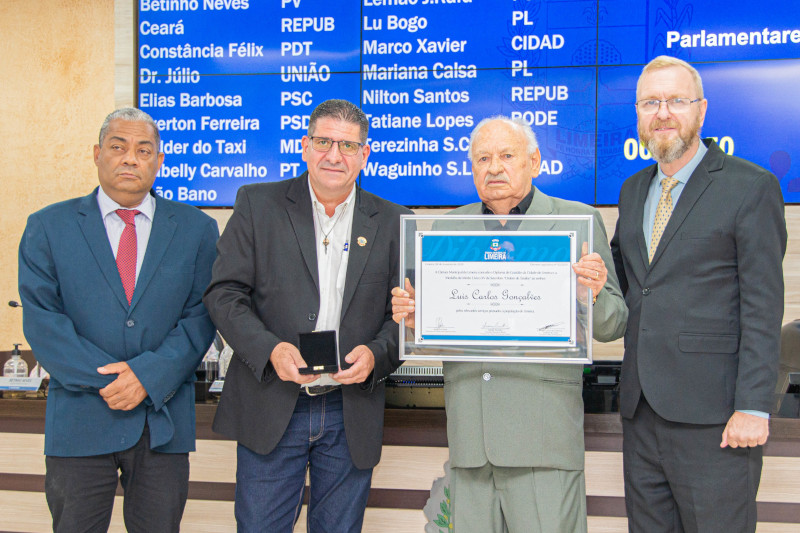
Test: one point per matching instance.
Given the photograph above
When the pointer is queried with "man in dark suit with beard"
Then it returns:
(698, 251)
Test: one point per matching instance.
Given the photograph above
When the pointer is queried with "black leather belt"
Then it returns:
(318, 390)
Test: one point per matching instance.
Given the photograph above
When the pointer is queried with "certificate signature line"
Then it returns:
(550, 326)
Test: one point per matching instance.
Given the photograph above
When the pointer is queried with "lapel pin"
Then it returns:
(362, 241)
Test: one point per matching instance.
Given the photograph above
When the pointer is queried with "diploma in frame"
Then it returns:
(485, 291)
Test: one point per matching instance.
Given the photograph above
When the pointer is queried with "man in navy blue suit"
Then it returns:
(112, 287)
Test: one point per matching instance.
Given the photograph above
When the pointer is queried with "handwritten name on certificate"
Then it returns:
(484, 288)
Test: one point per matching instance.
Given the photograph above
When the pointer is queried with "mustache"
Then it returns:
(496, 177)
(664, 124)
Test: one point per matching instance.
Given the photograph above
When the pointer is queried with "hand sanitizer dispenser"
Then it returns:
(15, 367)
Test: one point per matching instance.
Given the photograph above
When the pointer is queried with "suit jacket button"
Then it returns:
(130, 323)
(646, 291)
(487, 376)
(312, 316)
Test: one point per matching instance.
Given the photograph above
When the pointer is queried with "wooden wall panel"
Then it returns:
(780, 479)
(409, 467)
(604, 474)
(24, 511)
(214, 461)
(21, 453)
(401, 481)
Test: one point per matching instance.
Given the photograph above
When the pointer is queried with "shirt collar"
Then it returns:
(519, 209)
(319, 206)
(108, 206)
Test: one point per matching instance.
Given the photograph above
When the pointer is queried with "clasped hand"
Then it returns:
(125, 392)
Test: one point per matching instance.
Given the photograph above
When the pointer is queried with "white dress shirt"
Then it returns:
(331, 264)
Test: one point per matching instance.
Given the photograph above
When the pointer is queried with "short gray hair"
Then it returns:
(516, 124)
(130, 114)
(668, 61)
(340, 110)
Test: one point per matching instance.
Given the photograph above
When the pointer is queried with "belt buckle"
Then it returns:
(319, 390)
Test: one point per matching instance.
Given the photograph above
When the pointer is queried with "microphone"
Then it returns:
(14, 303)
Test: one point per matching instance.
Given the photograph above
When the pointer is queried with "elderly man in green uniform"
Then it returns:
(515, 430)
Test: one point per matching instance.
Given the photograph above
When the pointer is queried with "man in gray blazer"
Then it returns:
(515, 430)
(698, 249)
(310, 253)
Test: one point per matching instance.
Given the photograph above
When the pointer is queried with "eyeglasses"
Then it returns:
(323, 144)
(674, 105)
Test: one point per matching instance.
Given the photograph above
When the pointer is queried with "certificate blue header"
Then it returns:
(496, 247)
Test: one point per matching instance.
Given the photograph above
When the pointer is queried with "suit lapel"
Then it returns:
(161, 232)
(363, 226)
(697, 184)
(541, 204)
(300, 213)
(94, 231)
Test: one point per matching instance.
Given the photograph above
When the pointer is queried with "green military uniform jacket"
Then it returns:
(528, 414)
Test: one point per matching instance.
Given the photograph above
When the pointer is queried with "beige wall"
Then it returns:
(56, 86)
(65, 64)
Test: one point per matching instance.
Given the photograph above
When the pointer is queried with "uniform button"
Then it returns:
(130, 323)
(646, 291)
(487, 376)
(312, 316)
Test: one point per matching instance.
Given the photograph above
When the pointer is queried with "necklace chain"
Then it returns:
(325, 240)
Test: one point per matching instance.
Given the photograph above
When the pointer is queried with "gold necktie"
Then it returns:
(663, 212)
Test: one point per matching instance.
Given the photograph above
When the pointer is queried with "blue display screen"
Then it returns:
(233, 82)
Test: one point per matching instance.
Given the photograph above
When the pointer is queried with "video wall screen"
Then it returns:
(232, 83)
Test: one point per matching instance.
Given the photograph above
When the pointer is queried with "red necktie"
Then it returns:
(126, 253)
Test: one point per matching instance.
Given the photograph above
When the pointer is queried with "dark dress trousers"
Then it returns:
(265, 290)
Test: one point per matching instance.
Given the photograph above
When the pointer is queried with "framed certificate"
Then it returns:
(490, 290)
(515, 289)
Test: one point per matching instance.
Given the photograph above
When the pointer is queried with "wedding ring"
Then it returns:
(596, 274)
